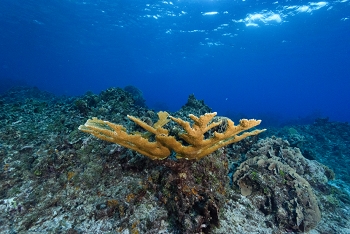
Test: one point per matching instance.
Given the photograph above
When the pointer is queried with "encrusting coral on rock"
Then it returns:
(196, 147)
(285, 194)
(272, 178)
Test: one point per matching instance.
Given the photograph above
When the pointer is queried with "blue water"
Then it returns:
(260, 59)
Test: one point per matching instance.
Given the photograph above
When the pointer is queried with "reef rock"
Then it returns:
(272, 182)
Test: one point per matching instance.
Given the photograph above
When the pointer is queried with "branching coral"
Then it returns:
(197, 145)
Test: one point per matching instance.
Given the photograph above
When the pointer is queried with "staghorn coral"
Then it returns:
(196, 144)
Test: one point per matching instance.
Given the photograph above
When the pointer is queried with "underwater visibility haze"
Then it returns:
(283, 59)
(171, 117)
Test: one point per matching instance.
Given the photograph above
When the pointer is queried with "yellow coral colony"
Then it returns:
(197, 145)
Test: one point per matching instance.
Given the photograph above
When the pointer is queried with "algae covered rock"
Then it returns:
(270, 179)
(276, 189)
(193, 192)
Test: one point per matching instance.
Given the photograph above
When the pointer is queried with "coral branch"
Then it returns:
(117, 134)
(197, 145)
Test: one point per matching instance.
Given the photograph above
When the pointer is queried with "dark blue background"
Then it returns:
(291, 69)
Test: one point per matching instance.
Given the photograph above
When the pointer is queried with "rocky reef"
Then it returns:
(56, 179)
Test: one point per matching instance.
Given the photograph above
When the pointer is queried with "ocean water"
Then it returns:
(275, 60)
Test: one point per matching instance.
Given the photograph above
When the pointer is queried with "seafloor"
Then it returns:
(57, 179)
